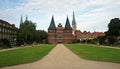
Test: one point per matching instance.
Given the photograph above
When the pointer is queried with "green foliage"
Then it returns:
(97, 53)
(93, 41)
(24, 55)
(41, 36)
(111, 36)
(114, 27)
(102, 39)
(111, 39)
(117, 43)
(28, 34)
(5, 43)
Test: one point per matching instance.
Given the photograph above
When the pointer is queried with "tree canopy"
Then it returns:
(28, 34)
(113, 31)
(114, 27)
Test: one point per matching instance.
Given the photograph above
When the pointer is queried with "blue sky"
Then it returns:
(90, 14)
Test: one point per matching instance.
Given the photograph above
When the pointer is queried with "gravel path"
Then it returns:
(62, 58)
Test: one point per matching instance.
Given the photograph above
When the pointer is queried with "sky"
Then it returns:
(90, 15)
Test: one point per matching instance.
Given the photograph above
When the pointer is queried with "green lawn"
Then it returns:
(95, 53)
(24, 55)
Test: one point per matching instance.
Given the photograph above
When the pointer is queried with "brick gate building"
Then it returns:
(60, 34)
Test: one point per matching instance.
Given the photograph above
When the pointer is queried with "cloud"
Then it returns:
(90, 14)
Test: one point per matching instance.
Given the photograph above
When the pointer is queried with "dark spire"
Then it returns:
(67, 25)
(52, 24)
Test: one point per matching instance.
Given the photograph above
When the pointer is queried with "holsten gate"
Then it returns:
(60, 34)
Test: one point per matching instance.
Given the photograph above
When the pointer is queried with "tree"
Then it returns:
(114, 27)
(111, 39)
(101, 39)
(113, 31)
(27, 32)
(41, 36)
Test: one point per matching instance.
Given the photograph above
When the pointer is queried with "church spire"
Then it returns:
(21, 21)
(26, 18)
(67, 25)
(52, 24)
(74, 23)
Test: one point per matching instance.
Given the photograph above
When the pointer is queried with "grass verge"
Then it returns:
(96, 53)
(24, 55)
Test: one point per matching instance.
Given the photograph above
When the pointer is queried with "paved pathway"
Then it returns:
(62, 58)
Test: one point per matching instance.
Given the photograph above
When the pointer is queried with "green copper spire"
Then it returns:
(21, 21)
(26, 18)
(74, 22)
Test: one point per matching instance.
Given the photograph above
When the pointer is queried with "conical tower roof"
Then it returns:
(67, 25)
(52, 24)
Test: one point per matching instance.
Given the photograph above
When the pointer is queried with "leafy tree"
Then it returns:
(114, 27)
(41, 36)
(101, 39)
(27, 32)
(111, 39)
(113, 31)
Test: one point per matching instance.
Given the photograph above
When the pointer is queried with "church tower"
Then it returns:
(74, 26)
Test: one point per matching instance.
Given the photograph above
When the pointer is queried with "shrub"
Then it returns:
(76, 41)
(102, 39)
(93, 41)
(117, 43)
(111, 39)
(5, 42)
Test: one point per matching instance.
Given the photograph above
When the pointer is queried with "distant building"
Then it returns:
(60, 34)
(87, 35)
(8, 31)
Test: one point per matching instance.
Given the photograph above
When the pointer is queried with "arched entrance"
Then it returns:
(59, 41)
